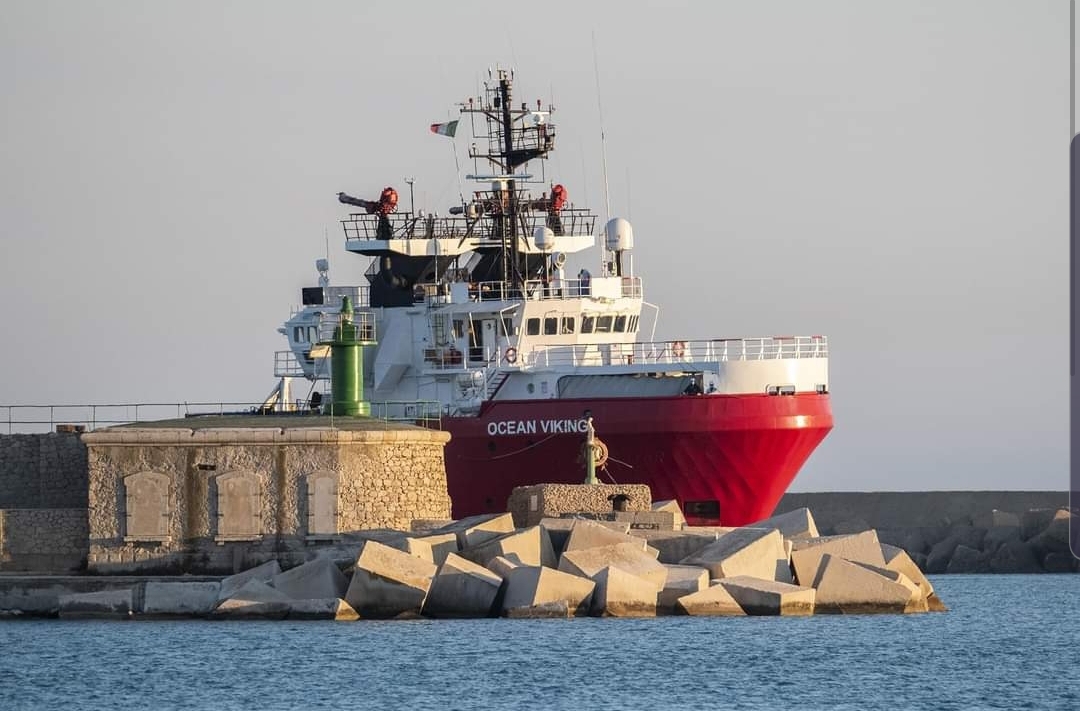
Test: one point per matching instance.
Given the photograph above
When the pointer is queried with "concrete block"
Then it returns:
(897, 559)
(461, 588)
(1034, 521)
(754, 552)
(682, 580)
(501, 565)
(532, 591)
(713, 601)
(314, 580)
(672, 506)
(474, 530)
(387, 582)
(258, 591)
(108, 604)
(587, 534)
(232, 609)
(628, 557)
(917, 602)
(769, 597)
(558, 609)
(860, 547)
(846, 587)
(419, 549)
(995, 519)
(531, 546)
(793, 524)
(620, 594)
(322, 609)
(1014, 557)
(674, 546)
(441, 544)
(180, 599)
(968, 560)
(264, 572)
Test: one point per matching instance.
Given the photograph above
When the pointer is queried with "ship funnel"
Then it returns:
(618, 235)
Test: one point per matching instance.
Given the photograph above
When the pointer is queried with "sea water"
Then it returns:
(1007, 642)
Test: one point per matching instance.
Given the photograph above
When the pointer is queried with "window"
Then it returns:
(603, 324)
(587, 324)
(551, 326)
(568, 324)
(633, 324)
(508, 325)
(298, 334)
(459, 328)
(620, 323)
(313, 334)
(532, 327)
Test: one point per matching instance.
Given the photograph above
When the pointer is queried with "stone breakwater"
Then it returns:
(955, 531)
(485, 566)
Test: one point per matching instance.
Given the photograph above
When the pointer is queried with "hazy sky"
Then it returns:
(891, 174)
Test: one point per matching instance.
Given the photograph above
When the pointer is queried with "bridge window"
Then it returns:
(603, 324)
(298, 334)
(620, 323)
(508, 325)
(587, 324)
(551, 326)
(568, 324)
(633, 324)
(532, 327)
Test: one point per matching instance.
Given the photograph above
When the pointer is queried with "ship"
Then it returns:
(469, 319)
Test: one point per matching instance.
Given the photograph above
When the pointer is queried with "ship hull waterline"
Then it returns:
(739, 451)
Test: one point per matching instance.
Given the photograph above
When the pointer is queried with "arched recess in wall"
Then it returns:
(239, 506)
(147, 510)
(322, 504)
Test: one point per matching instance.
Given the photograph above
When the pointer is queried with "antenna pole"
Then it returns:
(603, 147)
(412, 198)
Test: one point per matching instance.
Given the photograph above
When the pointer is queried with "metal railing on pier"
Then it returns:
(30, 419)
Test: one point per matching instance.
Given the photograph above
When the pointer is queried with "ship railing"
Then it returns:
(546, 290)
(331, 296)
(31, 419)
(680, 352)
(288, 365)
(568, 221)
(362, 327)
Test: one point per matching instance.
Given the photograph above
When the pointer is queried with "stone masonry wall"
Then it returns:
(53, 540)
(42, 471)
(529, 504)
(385, 479)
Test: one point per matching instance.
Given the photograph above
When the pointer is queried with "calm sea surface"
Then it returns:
(1008, 642)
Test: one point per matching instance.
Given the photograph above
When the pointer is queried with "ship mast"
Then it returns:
(509, 231)
(514, 136)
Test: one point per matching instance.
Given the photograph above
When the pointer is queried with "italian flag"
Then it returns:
(445, 129)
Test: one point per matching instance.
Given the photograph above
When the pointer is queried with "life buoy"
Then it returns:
(511, 355)
(678, 348)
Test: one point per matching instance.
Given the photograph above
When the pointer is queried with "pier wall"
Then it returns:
(839, 511)
(42, 471)
(219, 500)
(43, 539)
(955, 531)
(43, 502)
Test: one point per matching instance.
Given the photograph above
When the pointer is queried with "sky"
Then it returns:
(893, 175)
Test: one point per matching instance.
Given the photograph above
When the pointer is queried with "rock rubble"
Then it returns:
(560, 568)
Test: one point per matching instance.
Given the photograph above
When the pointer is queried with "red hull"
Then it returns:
(740, 451)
